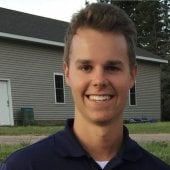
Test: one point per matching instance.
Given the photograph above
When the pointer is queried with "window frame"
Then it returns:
(59, 74)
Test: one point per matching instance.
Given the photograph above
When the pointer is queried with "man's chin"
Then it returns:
(103, 122)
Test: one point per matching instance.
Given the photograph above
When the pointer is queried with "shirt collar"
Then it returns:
(66, 143)
(131, 151)
(68, 146)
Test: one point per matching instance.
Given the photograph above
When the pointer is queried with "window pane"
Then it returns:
(132, 99)
(59, 88)
(59, 96)
(133, 95)
(59, 81)
(132, 90)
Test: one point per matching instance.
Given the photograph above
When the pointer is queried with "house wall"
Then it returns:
(148, 94)
(31, 68)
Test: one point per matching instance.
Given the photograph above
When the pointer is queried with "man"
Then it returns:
(100, 68)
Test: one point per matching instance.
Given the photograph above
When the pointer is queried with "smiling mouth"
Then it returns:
(99, 97)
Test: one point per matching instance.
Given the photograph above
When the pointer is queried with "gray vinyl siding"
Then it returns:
(31, 68)
(147, 92)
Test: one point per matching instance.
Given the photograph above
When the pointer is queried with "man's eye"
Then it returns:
(86, 68)
(112, 68)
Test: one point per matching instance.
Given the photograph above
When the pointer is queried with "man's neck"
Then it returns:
(101, 142)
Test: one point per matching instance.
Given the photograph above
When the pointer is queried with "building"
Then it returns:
(31, 73)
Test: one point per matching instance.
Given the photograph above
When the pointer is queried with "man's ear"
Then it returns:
(66, 73)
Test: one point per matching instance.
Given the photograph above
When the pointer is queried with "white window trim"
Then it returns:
(135, 97)
(61, 74)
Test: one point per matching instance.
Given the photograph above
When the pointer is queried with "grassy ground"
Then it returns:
(160, 149)
(140, 128)
(149, 128)
(29, 130)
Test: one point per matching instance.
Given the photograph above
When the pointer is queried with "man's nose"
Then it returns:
(100, 79)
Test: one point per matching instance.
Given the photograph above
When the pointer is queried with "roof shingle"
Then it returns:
(19, 23)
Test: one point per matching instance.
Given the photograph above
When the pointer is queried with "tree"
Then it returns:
(86, 2)
(165, 49)
(148, 22)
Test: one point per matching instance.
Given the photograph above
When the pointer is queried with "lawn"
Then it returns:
(29, 130)
(139, 128)
(149, 128)
(160, 149)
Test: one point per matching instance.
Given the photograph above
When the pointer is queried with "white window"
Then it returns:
(59, 87)
(132, 96)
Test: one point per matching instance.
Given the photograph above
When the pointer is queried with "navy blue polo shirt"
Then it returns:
(62, 151)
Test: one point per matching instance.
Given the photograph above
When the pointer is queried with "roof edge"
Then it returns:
(152, 59)
(31, 39)
(54, 43)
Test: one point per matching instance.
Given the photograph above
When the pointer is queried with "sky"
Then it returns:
(56, 9)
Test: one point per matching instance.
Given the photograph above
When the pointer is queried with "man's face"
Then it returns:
(99, 75)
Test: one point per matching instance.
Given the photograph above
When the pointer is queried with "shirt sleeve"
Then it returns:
(3, 166)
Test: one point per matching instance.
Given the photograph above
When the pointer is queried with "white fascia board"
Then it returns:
(31, 39)
(152, 59)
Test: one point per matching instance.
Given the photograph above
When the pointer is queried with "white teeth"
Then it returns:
(99, 98)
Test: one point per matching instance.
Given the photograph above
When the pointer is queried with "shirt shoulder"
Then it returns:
(136, 157)
(25, 157)
(49, 153)
(151, 161)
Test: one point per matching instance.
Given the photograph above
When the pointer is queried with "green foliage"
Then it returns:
(149, 18)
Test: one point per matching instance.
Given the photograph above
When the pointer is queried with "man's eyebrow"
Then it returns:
(110, 62)
(114, 62)
(83, 61)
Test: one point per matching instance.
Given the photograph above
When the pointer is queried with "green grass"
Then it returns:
(139, 128)
(160, 149)
(149, 128)
(29, 130)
